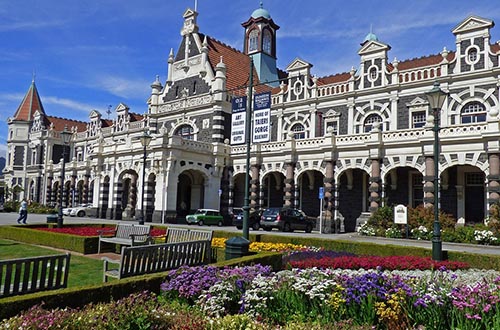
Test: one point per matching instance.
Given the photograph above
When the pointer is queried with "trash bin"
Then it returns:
(236, 247)
(52, 218)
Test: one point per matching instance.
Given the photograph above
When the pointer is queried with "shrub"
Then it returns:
(382, 218)
(424, 216)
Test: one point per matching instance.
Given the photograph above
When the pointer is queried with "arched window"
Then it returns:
(185, 131)
(370, 120)
(299, 131)
(253, 40)
(473, 112)
(267, 42)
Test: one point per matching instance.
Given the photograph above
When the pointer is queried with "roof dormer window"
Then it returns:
(472, 55)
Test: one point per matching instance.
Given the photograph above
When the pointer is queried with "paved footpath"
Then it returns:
(10, 219)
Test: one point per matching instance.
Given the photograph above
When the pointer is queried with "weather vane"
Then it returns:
(109, 110)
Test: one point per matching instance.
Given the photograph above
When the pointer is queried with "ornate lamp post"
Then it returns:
(436, 98)
(65, 138)
(145, 140)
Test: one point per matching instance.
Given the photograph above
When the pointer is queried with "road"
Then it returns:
(10, 219)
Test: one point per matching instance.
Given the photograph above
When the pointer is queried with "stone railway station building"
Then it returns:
(362, 135)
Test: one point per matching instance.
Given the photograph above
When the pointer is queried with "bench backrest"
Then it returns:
(177, 235)
(138, 260)
(125, 230)
(27, 275)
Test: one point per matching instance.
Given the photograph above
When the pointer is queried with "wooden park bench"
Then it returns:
(28, 275)
(139, 260)
(176, 235)
(126, 234)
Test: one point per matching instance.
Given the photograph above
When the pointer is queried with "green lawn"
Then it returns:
(82, 270)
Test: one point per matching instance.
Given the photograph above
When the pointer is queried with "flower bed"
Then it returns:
(342, 261)
(90, 230)
(253, 297)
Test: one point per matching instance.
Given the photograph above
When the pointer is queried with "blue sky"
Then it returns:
(89, 54)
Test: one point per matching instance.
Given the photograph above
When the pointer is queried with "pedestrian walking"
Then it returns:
(23, 212)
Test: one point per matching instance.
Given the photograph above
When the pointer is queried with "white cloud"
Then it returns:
(29, 25)
(123, 87)
(67, 103)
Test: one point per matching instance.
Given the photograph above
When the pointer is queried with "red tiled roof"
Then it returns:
(341, 77)
(237, 64)
(423, 61)
(60, 123)
(495, 48)
(30, 104)
(135, 116)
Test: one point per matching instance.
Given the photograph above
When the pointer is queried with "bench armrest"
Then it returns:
(148, 239)
(106, 232)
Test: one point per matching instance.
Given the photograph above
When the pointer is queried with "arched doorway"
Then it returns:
(353, 196)
(404, 185)
(272, 190)
(308, 200)
(463, 192)
(190, 192)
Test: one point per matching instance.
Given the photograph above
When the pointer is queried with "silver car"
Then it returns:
(81, 210)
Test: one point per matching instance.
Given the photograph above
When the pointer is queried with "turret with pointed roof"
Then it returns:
(30, 104)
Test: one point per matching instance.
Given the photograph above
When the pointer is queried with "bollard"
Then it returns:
(236, 247)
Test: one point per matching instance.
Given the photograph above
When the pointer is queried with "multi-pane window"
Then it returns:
(253, 40)
(370, 120)
(267, 42)
(473, 112)
(472, 55)
(418, 119)
(334, 124)
(474, 179)
(299, 131)
(185, 131)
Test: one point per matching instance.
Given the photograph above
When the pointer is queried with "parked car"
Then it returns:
(253, 219)
(286, 219)
(205, 217)
(81, 210)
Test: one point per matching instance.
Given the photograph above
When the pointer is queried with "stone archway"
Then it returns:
(404, 185)
(352, 187)
(463, 193)
(273, 190)
(308, 184)
(190, 192)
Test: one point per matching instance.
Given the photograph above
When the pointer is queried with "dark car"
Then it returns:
(253, 219)
(286, 219)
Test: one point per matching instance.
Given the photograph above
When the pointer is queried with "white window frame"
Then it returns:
(253, 40)
(469, 59)
(468, 111)
(369, 125)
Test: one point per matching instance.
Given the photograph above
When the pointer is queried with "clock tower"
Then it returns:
(260, 44)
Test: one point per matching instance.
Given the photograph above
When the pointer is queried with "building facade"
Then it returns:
(363, 135)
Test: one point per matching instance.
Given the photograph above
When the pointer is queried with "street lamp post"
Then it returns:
(436, 98)
(145, 140)
(65, 138)
(248, 128)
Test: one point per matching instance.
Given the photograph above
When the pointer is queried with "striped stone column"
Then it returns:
(254, 186)
(493, 182)
(374, 188)
(289, 185)
(429, 182)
